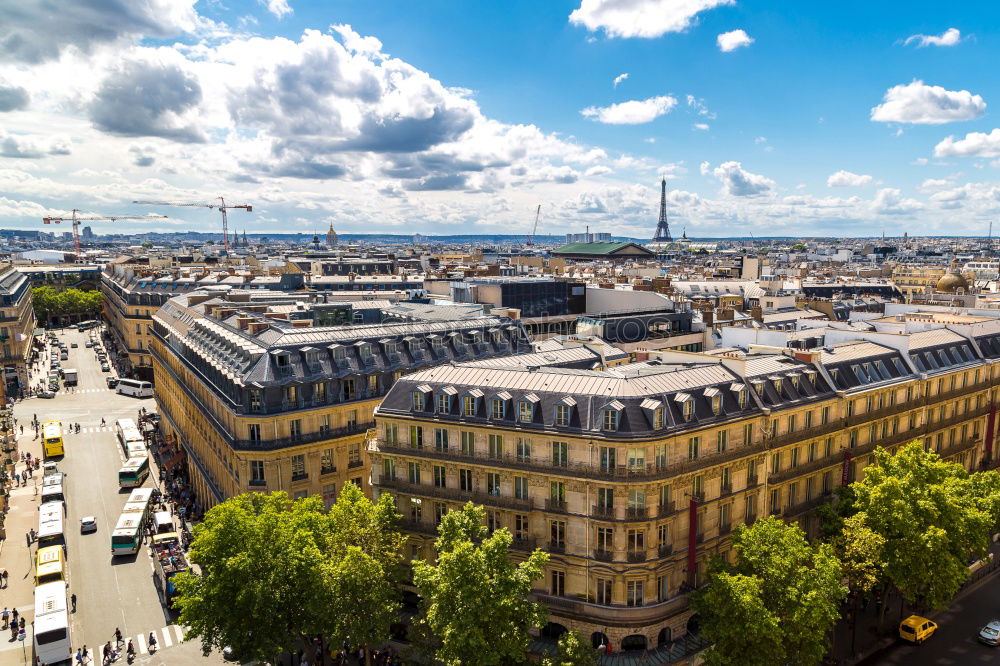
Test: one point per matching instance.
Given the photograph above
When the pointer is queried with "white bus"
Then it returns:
(50, 525)
(51, 623)
(135, 388)
(130, 437)
(127, 536)
(52, 492)
(134, 473)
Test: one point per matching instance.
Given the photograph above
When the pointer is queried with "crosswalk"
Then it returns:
(168, 636)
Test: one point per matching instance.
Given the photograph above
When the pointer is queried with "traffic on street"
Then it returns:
(92, 541)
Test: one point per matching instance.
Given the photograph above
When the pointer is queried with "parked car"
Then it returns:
(112, 381)
(916, 629)
(74, 345)
(990, 634)
(46, 394)
(105, 367)
(88, 524)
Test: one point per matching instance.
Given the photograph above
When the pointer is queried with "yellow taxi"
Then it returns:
(916, 629)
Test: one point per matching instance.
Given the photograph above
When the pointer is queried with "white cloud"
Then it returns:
(355, 43)
(279, 8)
(760, 140)
(949, 37)
(705, 168)
(739, 183)
(640, 18)
(732, 40)
(848, 179)
(889, 201)
(698, 105)
(618, 79)
(633, 112)
(19, 146)
(701, 126)
(599, 170)
(975, 144)
(927, 105)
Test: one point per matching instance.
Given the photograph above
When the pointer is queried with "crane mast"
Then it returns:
(531, 238)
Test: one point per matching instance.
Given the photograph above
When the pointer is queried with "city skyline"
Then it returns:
(446, 119)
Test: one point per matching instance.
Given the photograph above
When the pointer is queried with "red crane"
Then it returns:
(76, 220)
(222, 206)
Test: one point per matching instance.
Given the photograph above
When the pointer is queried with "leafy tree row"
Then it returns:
(50, 302)
(912, 524)
(275, 574)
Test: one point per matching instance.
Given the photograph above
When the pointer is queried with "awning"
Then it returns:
(173, 461)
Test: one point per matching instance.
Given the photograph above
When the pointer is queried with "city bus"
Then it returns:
(49, 565)
(51, 624)
(50, 525)
(130, 437)
(127, 536)
(52, 439)
(134, 388)
(84, 325)
(134, 473)
(52, 492)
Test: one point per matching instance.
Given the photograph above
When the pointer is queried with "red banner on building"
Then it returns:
(845, 474)
(693, 541)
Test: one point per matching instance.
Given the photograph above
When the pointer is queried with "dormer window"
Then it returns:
(525, 411)
(443, 405)
(714, 399)
(564, 411)
(658, 418)
(468, 406)
(418, 401)
(498, 408)
(795, 382)
(687, 405)
(777, 385)
(610, 420)
(365, 352)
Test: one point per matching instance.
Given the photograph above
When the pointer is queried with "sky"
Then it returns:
(447, 117)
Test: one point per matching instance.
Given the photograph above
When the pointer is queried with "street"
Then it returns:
(955, 642)
(110, 593)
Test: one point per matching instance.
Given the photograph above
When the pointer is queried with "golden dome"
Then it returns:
(951, 282)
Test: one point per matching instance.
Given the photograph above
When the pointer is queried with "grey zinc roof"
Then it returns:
(933, 338)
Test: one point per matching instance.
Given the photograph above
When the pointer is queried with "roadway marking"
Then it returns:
(181, 632)
(141, 642)
(166, 636)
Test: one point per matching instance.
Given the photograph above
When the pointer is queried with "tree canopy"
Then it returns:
(49, 302)
(475, 598)
(276, 573)
(776, 603)
(933, 517)
(572, 650)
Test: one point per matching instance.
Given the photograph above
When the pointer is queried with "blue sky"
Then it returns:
(457, 117)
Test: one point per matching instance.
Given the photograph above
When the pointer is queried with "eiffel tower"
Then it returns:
(662, 234)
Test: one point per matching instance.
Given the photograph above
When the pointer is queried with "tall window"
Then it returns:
(413, 472)
(525, 411)
(417, 437)
(319, 391)
(440, 439)
(388, 468)
(257, 472)
(465, 480)
(521, 528)
(658, 418)
(562, 415)
(440, 476)
(391, 434)
(443, 403)
(521, 487)
(496, 446)
(604, 591)
(326, 462)
(607, 455)
(634, 592)
(748, 433)
(416, 399)
(557, 533)
(469, 406)
(637, 459)
(557, 586)
(557, 492)
(605, 539)
(606, 499)
(693, 445)
(523, 449)
(497, 408)
(660, 456)
(295, 428)
(493, 483)
(560, 454)
(722, 441)
(468, 443)
(610, 420)
(253, 432)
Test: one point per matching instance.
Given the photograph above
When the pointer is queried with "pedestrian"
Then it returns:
(118, 636)
(152, 642)
(107, 653)
(79, 656)
(130, 651)
(3, 575)
(22, 623)
(72, 600)
(86, 653)
(6, 617)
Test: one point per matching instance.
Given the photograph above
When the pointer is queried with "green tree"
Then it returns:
(43, 299)
(475, 598)
(927, 511)
(572, 650)
(776, 603)
(275, 573)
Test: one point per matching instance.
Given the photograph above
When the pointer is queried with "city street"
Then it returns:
(110, 594)
(954, 643)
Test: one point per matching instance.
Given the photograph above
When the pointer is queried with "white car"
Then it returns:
(88, 524)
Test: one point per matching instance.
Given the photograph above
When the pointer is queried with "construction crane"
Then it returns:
(531, 238)
(222, 206)
(76, 220)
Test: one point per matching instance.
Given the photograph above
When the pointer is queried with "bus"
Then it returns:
(49, 565)
(51, 624)
(130, 437)
(135, 388)
(52, 492)
(134, 473)
(52, 439)
(50, 525)
(127, 536)
(84, 325)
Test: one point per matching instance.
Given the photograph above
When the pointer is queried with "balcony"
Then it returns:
(665, 510)
(725, 488)
(557, 547)
(636, 513)
(796, 509)
(636, 556)
(616, 615)
(454, 494)
(598, 511)
(524, 543)
(807, 433)
(665, 549)
(299, 476)
(603, 555)
(876, 414)
(555, 505)
(354, 463)
(257, 483)
(332, 469)
(752, 481)
(304, 438)
(725, 528)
